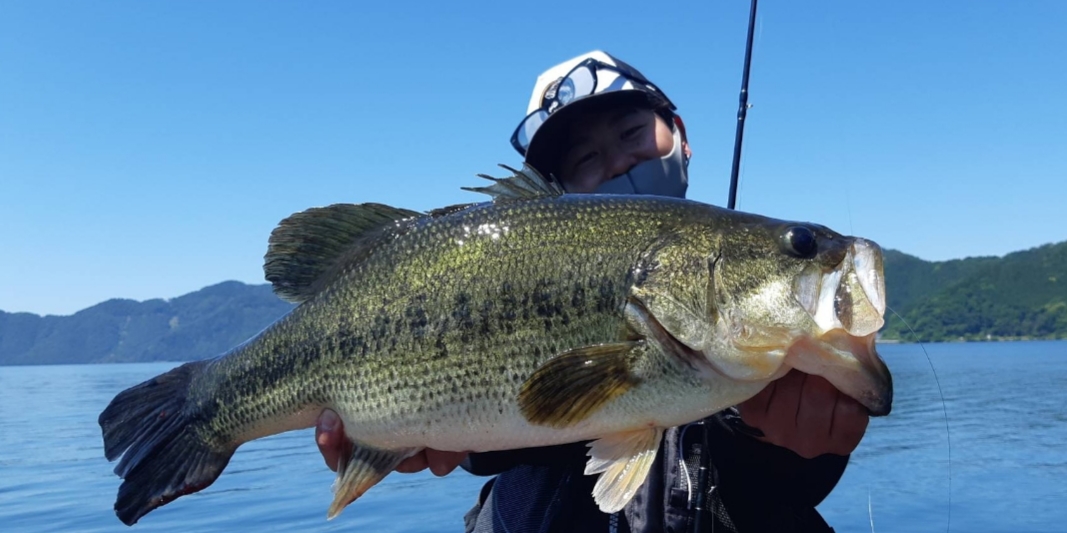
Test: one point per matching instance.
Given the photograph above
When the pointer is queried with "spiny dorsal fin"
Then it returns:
(449, 209)
(306, 245)
(523, 184)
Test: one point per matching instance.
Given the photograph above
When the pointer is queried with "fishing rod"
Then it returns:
(742, 110)
(703, 473)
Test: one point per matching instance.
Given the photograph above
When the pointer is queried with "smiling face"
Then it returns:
(603, 144)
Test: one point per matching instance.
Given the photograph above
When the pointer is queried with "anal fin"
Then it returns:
(363, 470)
(623, 461)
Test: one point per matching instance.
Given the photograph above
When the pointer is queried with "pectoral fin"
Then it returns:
(575, 384)
(363, 470)
(623, 461)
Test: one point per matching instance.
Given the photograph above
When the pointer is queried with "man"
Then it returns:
(596, 125)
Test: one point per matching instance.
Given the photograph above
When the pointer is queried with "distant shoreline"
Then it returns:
(964, 341)
(880, 341)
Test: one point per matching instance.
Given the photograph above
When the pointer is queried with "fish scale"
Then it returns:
(523, 329)
(532, 320)
(310, 359)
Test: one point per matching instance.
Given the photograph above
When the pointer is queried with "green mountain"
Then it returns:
(197, 325)
(1022, 295)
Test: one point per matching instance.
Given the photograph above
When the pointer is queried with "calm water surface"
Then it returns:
(1005, 403)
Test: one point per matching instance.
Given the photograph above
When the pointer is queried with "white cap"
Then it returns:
(622, 81)
(555, 74)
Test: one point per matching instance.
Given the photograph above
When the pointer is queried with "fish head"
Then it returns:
(757, 297)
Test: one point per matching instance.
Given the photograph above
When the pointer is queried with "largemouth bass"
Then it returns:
(536, 319)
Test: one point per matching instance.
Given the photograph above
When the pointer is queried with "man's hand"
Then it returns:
(333, 444)
(807, 415)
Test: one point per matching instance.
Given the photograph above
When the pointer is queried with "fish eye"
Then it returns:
(800, 241)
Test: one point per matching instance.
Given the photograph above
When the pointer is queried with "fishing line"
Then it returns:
(848, 209)
(870, 512)
(741, 182)
(944, 407)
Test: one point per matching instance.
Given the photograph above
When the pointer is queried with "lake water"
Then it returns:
(1006, 405)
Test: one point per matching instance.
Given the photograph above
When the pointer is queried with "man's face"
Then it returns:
(607, 143)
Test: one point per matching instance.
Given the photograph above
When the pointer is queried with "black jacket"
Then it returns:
(751, 486)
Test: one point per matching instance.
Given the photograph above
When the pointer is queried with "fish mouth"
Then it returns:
(847, 305)
(850, 363)
(851, 296)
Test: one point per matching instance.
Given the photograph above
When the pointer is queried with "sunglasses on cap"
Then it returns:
(588, 78)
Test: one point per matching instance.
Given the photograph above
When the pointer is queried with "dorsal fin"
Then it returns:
(449, 209)
(523, 184)
(306, 245)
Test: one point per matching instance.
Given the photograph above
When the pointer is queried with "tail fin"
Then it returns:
(163, 457)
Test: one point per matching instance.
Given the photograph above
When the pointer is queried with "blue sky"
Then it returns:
(148, 149)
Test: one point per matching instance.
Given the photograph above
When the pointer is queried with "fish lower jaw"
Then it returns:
(850, 363)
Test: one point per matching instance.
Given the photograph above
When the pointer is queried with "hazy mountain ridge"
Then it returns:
(1022, 295)
(197, 325)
